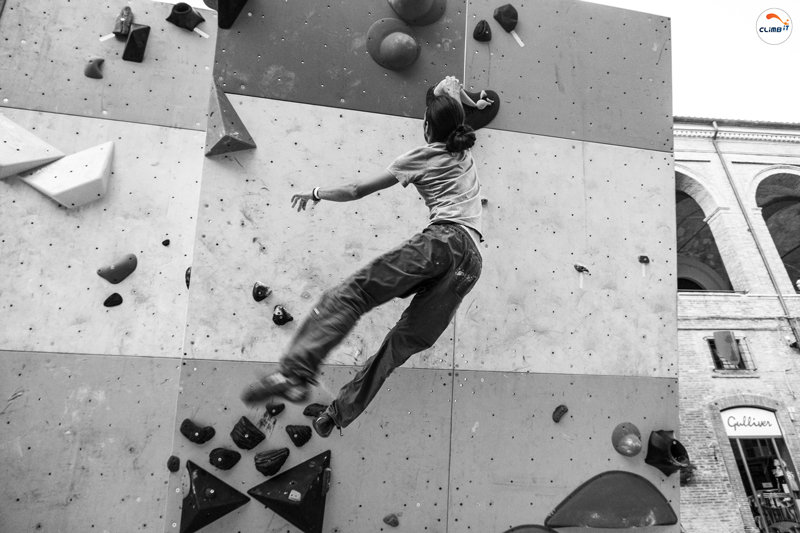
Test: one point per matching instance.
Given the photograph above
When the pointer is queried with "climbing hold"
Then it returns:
(643, 259)
(22, 150)
(314, 410)
(419, 12)
(275, 409)
(137, 43)
(260, 291)
(298, 494)
(281, 316)
(122, 26)
(560, 411)
(225, 132)
(165, 242)
(92, 69)
(208, 499)
(582, 269)
(224, 459)
(184, 16)
(271, 461)
(195, 433)
(479, 118)
(627, 439)
(120, 270)
(391, 44)
(113, 300)
(173, 464)
(76, 179)
(246, 435)
(666, 453)
(484, 201)
(613, 499)
(299, 434)
(482, 32)
(188, 276)
(507, 17)
(391, 520)
(228, 11)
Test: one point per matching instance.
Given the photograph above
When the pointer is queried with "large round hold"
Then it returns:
(627, 439)
(419, 12)
(391, 44)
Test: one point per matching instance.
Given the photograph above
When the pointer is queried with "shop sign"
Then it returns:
(750, 422)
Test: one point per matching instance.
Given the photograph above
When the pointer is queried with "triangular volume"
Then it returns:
(76, 179)
(225, 132)
(228, 11)
(209, 499)
(21, 150)
(298, 495)
(613, 499)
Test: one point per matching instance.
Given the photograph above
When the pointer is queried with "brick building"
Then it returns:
(738, 253)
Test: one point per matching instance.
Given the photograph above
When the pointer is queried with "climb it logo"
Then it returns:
(773, 26)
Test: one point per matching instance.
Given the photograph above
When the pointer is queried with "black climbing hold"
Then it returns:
(531, 528)
(560, 411)
(281, 316)
(506, 16)
(271, 461)
(224, 459)
(482, 32)
(92, 69)
(119, 270)
(643, 259)
(484, 201)
(480, 118)
(260, 291)
(626, 439)
(314, 410)
(227, 11)
(165, 242)
(209, 499)
(195, 433)
(226, 132)
(137, 43)
(299, 434)
(173, 464)
(666, 453)
(582, 269)
(613, 499)
(123, 24)
(184, 16)
(298, 495)
(188, 276)
(246, 435)
(113, 300)
(391, 520)
(275, 409)
(419, 13)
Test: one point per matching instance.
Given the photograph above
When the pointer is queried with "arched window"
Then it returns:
(778, 196)
(700, 265)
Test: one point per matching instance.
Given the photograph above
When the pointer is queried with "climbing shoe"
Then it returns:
(324, 425)
(289, 388)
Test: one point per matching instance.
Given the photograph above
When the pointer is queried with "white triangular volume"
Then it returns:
(21, 150)
(76, 179)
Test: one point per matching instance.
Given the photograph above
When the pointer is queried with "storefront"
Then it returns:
(766, 467)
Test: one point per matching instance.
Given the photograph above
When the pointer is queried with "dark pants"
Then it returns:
(439, 266)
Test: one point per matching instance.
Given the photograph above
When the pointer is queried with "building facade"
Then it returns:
(738, 253)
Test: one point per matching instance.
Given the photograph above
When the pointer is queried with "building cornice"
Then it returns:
(772, 132)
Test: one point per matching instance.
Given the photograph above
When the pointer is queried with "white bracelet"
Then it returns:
(315, 194)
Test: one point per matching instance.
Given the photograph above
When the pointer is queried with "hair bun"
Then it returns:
(460, 139)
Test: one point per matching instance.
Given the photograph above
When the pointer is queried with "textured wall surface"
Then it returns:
(52, 298)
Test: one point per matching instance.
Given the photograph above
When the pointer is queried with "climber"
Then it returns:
(439, 266)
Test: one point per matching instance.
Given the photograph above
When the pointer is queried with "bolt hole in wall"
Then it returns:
(766, 467)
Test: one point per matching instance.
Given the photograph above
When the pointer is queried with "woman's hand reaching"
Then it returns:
(301, 200)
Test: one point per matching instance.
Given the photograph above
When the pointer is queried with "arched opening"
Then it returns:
(778, 196)
(700, 266)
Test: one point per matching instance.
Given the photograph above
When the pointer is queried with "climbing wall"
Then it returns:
(575, 307)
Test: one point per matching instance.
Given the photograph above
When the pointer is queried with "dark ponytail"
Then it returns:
(445, 116)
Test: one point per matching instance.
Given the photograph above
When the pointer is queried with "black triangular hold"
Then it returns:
(225, 131)
(298, 495)
(227, 11)
(137, 43)
(209, 499)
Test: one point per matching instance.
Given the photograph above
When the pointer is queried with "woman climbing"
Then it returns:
(439, 266)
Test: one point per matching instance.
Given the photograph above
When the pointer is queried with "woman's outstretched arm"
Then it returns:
(347, 192)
